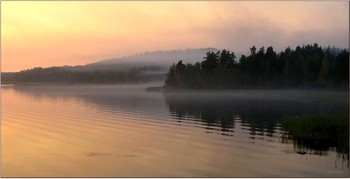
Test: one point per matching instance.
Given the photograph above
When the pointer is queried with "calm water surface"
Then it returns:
(122, 131)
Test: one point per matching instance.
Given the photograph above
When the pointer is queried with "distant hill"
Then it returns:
(137, 68)
(163, 58)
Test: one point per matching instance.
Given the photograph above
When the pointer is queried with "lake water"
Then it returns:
(126, 131)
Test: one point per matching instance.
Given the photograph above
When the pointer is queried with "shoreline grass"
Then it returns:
(320, 131)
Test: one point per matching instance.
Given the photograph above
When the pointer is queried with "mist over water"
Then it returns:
(126, 131)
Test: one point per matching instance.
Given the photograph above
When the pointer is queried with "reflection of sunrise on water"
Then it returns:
(104, 131)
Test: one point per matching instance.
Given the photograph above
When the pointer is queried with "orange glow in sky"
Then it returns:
(57, 33)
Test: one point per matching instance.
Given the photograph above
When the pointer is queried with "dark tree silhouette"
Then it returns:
(306, 67)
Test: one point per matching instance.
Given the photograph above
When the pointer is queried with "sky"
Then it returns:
(57, 33)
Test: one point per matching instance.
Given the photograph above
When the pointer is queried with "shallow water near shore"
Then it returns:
(127, 131)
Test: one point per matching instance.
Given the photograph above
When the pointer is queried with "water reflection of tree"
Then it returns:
(184, 109)
(260, 116)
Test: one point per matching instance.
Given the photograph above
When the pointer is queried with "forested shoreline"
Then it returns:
(102, 74)
(305, 67)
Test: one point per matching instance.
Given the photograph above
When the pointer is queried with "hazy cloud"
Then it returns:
(70, 33)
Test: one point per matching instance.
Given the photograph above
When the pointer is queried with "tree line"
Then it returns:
(85, 74)
(305, 67)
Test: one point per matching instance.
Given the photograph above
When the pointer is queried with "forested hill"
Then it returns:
(305, 67)
(138, 68)
(163, 58)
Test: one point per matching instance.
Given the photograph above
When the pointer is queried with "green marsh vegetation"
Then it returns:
(319, 132)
